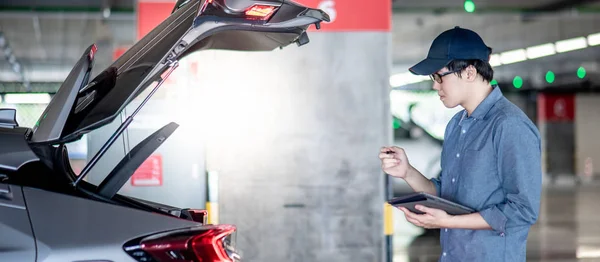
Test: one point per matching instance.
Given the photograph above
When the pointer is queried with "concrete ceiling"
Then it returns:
(43, 39)
(413, 34)
(490, 5)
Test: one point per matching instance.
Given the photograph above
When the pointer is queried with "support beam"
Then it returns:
(560, 5)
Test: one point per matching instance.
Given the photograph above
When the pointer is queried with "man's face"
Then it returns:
(450, 90)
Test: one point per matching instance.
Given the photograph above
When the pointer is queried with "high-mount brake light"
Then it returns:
(92, 52)
(260, 12)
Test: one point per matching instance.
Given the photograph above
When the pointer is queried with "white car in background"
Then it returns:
(427, 118)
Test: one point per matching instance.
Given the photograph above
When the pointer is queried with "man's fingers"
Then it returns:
(411, 215)
(390, 161)
(414, 222)
(408, 215)
(386, 156)
(392, 149)
(389, 164)
(425, 209)
(430, 211)
(421, 218)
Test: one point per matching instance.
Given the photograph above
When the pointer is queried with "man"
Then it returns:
(490, 157)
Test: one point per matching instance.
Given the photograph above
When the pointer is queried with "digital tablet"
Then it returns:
(421, 198)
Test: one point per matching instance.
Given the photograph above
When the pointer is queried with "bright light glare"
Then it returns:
(429, 112)
(406, 78)
(588, 252)
(27, 98)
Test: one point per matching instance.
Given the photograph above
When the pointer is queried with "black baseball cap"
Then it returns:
(456, 43)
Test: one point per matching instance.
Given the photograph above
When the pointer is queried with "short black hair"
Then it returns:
(484, 69)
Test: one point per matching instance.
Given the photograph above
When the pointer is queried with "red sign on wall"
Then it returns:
(372, 15)
(149, 173)
(151, 13)
(556, 107)
(346, 16)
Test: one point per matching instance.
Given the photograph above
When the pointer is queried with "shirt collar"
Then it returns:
(484, 107)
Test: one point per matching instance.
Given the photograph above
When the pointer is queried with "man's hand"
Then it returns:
(433, 218)
(394, 161)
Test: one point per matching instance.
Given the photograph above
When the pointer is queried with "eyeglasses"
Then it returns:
(438, 77)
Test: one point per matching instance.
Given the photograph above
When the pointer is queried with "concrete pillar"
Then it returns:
(294, 135)
(295, 138)
(587, 147)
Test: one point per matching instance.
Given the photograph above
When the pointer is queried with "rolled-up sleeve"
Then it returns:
(518, 150)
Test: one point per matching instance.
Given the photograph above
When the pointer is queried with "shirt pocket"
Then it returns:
(479, 172)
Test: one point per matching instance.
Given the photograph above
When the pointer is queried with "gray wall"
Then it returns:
(587, 127)
(295, 138)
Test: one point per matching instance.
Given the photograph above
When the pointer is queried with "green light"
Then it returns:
(469, 6)
(397, 123)
(493, 82)
(581, 72)
(550, 77)
(518, 82)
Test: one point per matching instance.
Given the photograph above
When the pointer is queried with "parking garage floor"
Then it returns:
(568, 229)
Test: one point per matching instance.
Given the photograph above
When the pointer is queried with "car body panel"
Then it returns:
(49, 126)
(71, 228)
(15, 152)
(17, 242)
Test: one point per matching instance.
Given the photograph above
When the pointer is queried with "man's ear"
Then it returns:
(470, 73)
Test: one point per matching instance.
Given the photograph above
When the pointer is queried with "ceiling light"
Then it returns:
(541, 51)
(571, 44)
(513, 56)
(495, 60)
(594, 39)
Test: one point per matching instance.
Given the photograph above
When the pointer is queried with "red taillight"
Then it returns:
(205, 244)
(261, 12)
(209, 246)
(92, 52)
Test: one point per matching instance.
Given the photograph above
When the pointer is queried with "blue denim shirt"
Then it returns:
(491, 162)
